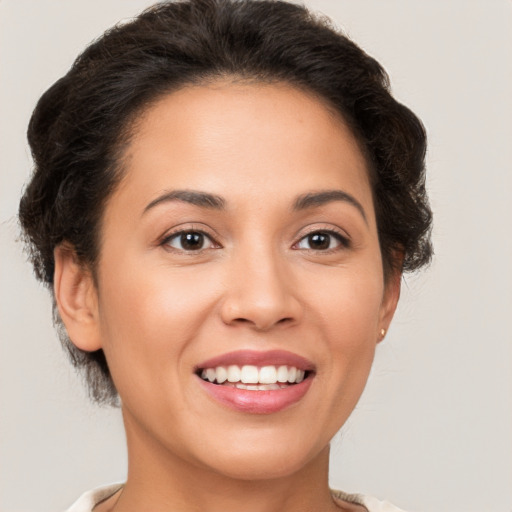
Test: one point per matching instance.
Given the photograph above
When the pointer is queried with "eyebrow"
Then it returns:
(202, 199)
(215, 202)
(316, 199)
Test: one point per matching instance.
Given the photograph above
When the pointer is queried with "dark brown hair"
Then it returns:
(81, 124)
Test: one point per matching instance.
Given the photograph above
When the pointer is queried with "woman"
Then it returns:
(224, 200)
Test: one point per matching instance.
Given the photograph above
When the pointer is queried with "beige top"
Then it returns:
(90, 499)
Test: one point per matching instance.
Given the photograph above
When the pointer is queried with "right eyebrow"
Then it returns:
(195, 197)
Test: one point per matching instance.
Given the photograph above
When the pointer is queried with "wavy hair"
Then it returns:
(82, 123)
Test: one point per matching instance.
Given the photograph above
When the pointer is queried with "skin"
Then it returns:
(157, 310)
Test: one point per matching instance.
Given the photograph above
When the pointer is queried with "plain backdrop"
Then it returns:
(433, 431)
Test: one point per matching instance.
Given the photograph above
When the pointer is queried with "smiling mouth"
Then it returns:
(254, 378)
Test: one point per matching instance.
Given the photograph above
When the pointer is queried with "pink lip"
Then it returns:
(258, 358)
(258, 402)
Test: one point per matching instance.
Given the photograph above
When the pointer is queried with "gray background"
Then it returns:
(433, 431)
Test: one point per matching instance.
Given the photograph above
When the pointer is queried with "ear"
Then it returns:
(76, 297)
(389, 302)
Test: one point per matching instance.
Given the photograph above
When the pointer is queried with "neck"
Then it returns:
(159, 480)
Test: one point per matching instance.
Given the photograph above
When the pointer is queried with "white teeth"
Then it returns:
(233, 373)
(282, 374)
(249, 374)
(267, 387)
(292, 374)
(221, 374)
(267, 377)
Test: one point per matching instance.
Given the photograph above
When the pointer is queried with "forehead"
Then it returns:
(244, 140)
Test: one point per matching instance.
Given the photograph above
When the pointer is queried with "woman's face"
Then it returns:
(243, 234)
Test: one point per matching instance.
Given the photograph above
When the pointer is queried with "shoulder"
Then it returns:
(90, 499)
(370, 503)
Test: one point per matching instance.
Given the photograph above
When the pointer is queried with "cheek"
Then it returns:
(150, 313)
(349, 303)
(348, 309)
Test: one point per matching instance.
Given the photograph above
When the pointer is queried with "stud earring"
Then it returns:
(382, 333)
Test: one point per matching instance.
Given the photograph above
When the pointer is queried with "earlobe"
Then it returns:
(76, 298)
(389, 303)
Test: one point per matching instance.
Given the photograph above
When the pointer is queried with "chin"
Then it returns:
(265, 460)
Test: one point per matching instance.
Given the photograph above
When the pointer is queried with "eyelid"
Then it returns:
(342, 237)
(179, 230)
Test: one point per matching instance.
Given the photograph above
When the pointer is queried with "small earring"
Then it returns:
(382, 333)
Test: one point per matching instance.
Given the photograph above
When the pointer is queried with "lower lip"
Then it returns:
(257, 402)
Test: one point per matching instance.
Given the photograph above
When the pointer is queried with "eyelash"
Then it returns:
(343, 241)
(166, 241)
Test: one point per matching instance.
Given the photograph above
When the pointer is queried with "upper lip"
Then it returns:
(258, 358)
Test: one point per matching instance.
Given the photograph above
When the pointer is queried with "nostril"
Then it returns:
(263, 324)
(262, 315)
(241, 321)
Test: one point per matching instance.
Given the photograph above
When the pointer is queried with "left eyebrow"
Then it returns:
(316, 199)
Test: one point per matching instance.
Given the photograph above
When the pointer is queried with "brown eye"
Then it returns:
(322, 241)
(189, 241)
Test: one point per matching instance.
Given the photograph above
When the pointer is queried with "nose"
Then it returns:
(260, 293)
